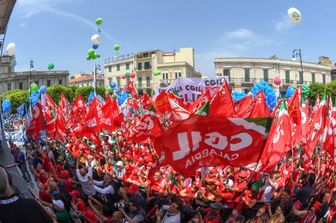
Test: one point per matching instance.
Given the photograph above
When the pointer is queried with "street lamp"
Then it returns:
(297, 55)
(97, 69)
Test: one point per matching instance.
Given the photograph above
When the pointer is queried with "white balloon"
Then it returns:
(294, 15)
(95, 39)
(11, 49)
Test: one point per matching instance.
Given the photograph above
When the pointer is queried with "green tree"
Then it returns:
(16, 97)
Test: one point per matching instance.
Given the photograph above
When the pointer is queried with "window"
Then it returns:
(313, 77)
(301, 77)
(118, 67)
(60, 81)
(147, 65)
(265, 75)
(139, 82)
(148, 79)
(48, 83)
(127, 66)
(9, 86)
(178, 74)
(287, 77)
(118, 81)
(324, 78)
(20, 85)
(165, 76)
(247, 75)
(139, 66)
(226, 73)
(110, 68)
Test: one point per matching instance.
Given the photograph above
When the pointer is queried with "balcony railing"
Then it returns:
(119, 58)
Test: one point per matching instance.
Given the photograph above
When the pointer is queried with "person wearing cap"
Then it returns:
(78, 206)
(133, 191)
(120, 170)
(84, 177)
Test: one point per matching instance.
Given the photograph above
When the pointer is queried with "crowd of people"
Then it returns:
(121, 183)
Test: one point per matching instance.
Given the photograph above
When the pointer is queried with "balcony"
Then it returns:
(119, 58)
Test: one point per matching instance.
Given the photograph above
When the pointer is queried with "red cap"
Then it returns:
(317, 206)
(64, 173)
(141, 160)
(75, 193)
(213, 170)
(133, 188)
(243, 174)
(90, 215)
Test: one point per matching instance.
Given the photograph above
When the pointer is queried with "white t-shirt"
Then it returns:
(88, 189)
(170, 218)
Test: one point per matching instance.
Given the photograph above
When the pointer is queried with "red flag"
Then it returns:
(64, 105)
(244, 107)
(316, 124)
(132, 90)
(132, 102)
(177, 108)
(105, 115)
(148, 126)
(221, 103)
(36, 123)
(329, 133)
(146, 101)
(200, 102)
(91, 121)
(117, 116)
(260, 108)
(279, 139)
(202, 141)
(294, 111)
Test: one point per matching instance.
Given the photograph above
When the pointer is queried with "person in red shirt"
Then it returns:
(77, 203)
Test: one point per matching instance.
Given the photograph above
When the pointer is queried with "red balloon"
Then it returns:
(123, 76)
(277, 80)
(132, 75)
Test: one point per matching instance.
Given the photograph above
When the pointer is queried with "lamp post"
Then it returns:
(97, 69)
(297, 55)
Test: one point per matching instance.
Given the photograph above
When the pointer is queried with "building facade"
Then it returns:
(9, 79)
(82, 80)
(243, 73)
(171, 65)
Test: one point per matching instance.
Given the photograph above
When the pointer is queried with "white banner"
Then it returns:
(190, 89)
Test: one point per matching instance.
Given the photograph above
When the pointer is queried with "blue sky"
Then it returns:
(59, 31)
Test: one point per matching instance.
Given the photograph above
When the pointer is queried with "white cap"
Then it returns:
(120, 163)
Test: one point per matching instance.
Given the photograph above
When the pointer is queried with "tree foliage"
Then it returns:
(17, 97)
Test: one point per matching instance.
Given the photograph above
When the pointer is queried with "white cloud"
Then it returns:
(29, 8)
(234, 43)
(284, 23)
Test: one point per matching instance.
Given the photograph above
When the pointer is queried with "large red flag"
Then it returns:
(146, 101)
(279, 139)
(260, 108)
(200, 102)
(316, 124)
(202, 141)
(221, 103)
(244, 107)
(147, 126)
(36, 123)
(294, 111)
(91, 120)
(105, 115)
(132, 90)
(64, 105)
(329, 134)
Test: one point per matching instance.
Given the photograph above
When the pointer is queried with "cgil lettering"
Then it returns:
(205, 153)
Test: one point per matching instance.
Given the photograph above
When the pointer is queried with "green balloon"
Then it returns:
(34, 87)
(116, 47)
(127, 74)
(51, 66)
(88, 57)
(109, 89)
(157, 73)
(305, 91)
(91, 52)
(99, 21)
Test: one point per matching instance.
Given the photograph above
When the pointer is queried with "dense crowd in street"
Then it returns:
(122, 185)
